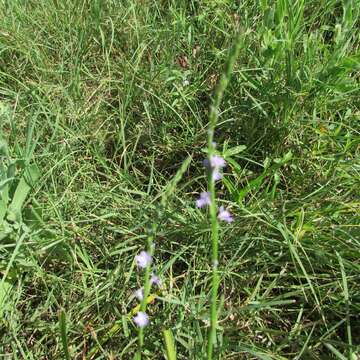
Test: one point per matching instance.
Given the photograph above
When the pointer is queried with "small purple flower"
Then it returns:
(217, 175)
(214, 165)
(225, 215)
(141, 319)
(143, 260)
(155, 280)
(203, 200)
(139, 294)
(217, 162)
(206, 163)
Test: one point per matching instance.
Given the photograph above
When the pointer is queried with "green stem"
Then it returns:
(147, 287)
(214, 263)
(213, 118)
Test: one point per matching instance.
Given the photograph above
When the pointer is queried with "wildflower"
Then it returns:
(206, 163)
(141, 319)
(155, 280)
(225, 215)
(139, 294)
(143, 260)
(214, 165)
(217, 162)
(203, 200)
(216, 175)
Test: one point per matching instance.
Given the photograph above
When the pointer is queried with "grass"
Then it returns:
(104, 109)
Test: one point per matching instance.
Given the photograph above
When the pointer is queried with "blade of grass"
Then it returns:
(347, 303)
(63, 334)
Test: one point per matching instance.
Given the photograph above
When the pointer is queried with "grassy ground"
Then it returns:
(101, 102)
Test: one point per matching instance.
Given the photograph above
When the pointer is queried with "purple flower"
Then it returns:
(217, 162)
(143, 260)
(206, 163)
(203, 200)
(216, 175)
(225, 215)
(139, 294)
(141, 319)
(155, 280)
(214, 165)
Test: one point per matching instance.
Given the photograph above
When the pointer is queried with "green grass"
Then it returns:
(99, 109)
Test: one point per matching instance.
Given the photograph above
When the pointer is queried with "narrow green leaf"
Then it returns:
(5, 305)
(13, 256)
(335, 352)
(169, 344)
(63, 334)
(4, 151)
(5, 182)
(254, 185)
(347, 298)
(22, 191)
(234, 151)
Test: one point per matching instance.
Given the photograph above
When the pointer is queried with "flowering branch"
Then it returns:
(215, 163)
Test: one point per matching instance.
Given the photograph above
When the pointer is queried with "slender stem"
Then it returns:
(214, 261)
(213, 117)
(147, 287)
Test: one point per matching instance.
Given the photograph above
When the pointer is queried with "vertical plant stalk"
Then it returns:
(150, 249)
(147, 287)
(213, 118)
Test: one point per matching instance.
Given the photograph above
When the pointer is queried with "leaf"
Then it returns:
(125, 326)
(231, 188)
(4, 190)
(169, 344)
(5, 182)
(254, 184)
(5, 230)
(5, 289)
(3, 209)
(15, 253)
(258, 353)
(234, 151)
(63, 334)
(335, 352)
(3, 148)
(22, 191)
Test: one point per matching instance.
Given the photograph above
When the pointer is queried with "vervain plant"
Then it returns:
(143, 261)
(215, 163)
